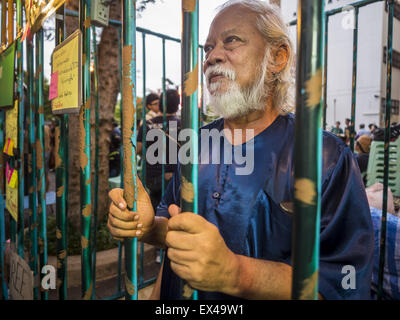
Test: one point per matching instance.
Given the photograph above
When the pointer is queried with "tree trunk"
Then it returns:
(109, 87)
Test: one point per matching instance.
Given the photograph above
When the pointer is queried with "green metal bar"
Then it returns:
(40, 162)
(96, 162)
(32, 170)
(164, 103)
(120, 244)
(129, 137)
(85, 157)
(4, 294)
(190, 115)
(20, 89)
(354, 82)
(201, 113)
(144, 149)
(357, 4)
(3, 23)
(388, 111)
(61, 166)
(308, 150)
(325, 106)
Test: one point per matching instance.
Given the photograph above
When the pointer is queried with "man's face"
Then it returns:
(234, 43)
(155, 105)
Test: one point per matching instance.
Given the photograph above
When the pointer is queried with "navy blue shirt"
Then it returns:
(247, 209)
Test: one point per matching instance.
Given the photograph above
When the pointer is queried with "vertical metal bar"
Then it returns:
(325, 106)
(32, 169)
(190, 113)
(144, 149)
(120, 244)
(96, 162)
(308, 150)
(2, 186)
(85, 157)
(164, 104)
(3, 22)
(129, 137)
(10, 21)
(201, 116)
(61, 166)
(354, 82)
(40, 162)
(20, 86)
(388, 111)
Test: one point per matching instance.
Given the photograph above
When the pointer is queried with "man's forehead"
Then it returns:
(232, 19)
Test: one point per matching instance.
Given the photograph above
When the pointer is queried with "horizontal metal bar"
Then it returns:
(332, 12)
(117, 23)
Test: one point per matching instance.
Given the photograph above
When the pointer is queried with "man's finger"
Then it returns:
(188, 222)
(123, 215)
(174, 210)
(181, 256)
(120, 224)
(117, 197)
(119, 233)
(180, 240)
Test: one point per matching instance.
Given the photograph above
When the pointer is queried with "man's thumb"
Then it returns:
(174, 210)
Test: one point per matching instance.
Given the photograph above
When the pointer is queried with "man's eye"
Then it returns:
(207, 49)
(231, 39)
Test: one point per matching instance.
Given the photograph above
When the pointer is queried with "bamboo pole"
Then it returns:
(190, 113)
(40, 162)
(61, 166)
(388, 110)
(32, 180)
(129, 137)
(354, 81)
(308, 150)
(85, 157)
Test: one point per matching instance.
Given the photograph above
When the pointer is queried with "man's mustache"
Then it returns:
(219, 71)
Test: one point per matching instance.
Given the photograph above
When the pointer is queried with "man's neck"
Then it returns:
(257, 121)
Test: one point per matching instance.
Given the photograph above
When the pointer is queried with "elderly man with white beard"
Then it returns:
(239, 245)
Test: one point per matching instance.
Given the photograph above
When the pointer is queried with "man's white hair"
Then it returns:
(271, 25)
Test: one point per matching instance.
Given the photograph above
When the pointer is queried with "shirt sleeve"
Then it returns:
(346, 237)
(140, 134)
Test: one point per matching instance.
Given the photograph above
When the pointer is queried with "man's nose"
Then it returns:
(215, 56)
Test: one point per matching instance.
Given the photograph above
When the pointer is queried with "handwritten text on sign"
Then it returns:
(66, 63)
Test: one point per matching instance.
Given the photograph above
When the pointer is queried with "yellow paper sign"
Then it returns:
(13, 179)
(66, 63)
(12, 134)
(9, 147)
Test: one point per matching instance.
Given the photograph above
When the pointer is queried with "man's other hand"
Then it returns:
(123, 223)
(198, 252)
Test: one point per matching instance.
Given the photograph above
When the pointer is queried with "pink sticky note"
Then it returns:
(53, 90)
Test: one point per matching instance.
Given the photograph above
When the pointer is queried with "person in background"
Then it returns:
(153, 104)
(362, 131)
(372, 127)
(363, 146)
(154, 172)
(337, 130)
(115, 151)
(347, 130)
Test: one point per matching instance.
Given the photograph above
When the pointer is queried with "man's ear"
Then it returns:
(280, 58)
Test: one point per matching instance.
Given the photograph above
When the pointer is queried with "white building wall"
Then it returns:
(371, 74)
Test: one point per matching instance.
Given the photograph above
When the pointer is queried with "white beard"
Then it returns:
(237, 102)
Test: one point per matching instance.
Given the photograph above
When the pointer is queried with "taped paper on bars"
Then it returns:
(12, 192)
(38, 11)
(67, 75)
(9, 147)
(7, 75)
(53, 90)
